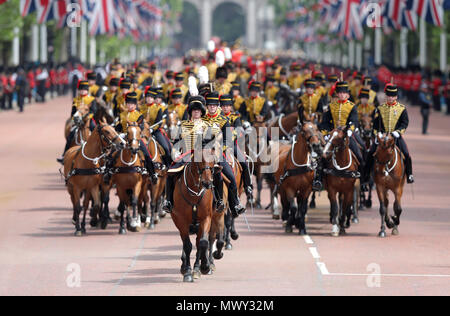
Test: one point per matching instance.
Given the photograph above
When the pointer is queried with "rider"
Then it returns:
(221, 85)
(179, 80)
(236, 92)
(295, 80)
(226, 104)
(83, 98)
(189, 129)
(364, 106)
(119, 105)
(271, 89)
(255, 105)
(311, 102)
(112, 91)
(177, 105)
(132, 115)
(214, 118)
(393, 119)
(153, 115)
(169, 85)
(94, 89)
(341, 113)
(373, 99)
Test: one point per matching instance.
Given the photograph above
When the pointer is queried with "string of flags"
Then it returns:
(347, 19)
(141, 19)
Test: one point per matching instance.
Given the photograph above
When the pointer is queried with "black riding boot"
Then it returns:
(247, 181)
(148, 163)
(318, 177)
(409, 171)
(67, 147)
(218, 189)
(170, 186)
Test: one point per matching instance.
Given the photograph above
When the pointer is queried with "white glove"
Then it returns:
(246, 125)
(327, 138)
(270, 103)
(349, 133)
(123, 135)
(151, 130)
(396, 134)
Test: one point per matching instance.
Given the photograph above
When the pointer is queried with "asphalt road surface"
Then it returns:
(40, 256)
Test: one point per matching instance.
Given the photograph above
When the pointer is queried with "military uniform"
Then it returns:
(254, 106)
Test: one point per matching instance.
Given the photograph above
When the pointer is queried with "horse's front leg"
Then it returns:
(121, 209)
(381, 191)
(75, 196)
(135, 220)
(186, 269)
(302, 202)
(397, 210)
(334, 212)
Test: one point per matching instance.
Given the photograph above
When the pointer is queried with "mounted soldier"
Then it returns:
(392, 119)
(221, 85)
(254, 105)
(364, 106)
(238, 100)
(226, 105)
(109, 95)
(177, 105)
(311, 102)
(83, 99)
(214, 118)
(119, 104)
(341, 113)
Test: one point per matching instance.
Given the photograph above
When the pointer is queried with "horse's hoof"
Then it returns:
(335, 231)
(302, 232)
(312, 205)
(78, 233)
(355, 220)
(217, 255)
(284, 223)
(147, 225)
(188, 278)
(288, 229)
(342, 232)
(162, 214)
(382, 235)
(205, 269)
(103, 225)
(395, 232)
(276, 217)
(74, 222)
(369, 204)
(258, 206)
(212, 267)
(93, 223)
(229, 246)
(234, 235)
(361, 207)
(122, 231)
(196, 274)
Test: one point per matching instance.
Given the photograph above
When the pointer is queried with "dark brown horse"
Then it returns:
(156, 189)
(193, 211)
(128, 178)
(295, 175)
(366, 124)
(83, 173)
(340, 178)
(389, 176)
(285, 123)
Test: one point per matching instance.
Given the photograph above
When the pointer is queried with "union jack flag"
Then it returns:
(347, 22)
(399, 16)
(430, 10)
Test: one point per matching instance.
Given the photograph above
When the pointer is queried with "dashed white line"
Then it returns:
(323, 268)
(314, 252)
(308, 240)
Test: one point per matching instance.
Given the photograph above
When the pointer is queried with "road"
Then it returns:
(40, 256)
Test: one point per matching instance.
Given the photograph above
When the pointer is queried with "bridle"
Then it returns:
(199, 182)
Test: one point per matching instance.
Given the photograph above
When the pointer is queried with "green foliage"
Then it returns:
(229, 22)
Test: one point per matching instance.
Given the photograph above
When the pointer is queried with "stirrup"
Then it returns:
(220, 206)
(410, 179)
(60, 160)
(238, 210)
(317, 186)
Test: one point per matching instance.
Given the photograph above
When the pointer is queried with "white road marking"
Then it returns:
(314, 252)
(323, 268)
(308, 240)
(392, 275)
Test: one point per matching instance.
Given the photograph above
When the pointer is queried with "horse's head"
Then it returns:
(311, 134)
(385, 149)
(109, 136)
(206, 169)
(260, 125)
(81, 115)
(339, 139)
(133, 136)
(174, 123)
(366, 123)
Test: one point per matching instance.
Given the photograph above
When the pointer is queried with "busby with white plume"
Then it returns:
(211, 46)
(228, 55)
(192, 83)
(203, 75)
(220, 58)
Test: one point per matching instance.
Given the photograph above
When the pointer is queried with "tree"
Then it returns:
(9, 19)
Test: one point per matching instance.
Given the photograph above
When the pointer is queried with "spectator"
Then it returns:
(426, 102)
(20, 87)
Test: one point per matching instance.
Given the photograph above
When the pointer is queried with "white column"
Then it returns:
(102, 56)
(34, 43)
(359, 55)
(73, 41)
(423, 43)
(83, 42)
(251, 24)
(92, 51)
(378, 43)
(443, 63)
(16, 48)
(404, 47)
(44, 48)
(351, 53)
(206, 22)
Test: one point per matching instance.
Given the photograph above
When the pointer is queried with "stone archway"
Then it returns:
(229, 21)
(190, 35)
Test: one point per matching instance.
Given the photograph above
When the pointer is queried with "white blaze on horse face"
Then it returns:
(335, 134)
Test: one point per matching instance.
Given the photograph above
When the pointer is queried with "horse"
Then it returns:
(156, 190)
(83, 173)
(80, 125)
(193, 211)
(128, 178)
(230, 229)
(340, 179)
(255, 154)
(390, 175)
(286, 100)
(295, 175)
(285, 123)
(366, 124)
(173, 128)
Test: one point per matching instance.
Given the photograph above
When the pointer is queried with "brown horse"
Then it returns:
(340, 179)
(128, 178)
(295, 175)
(156, 190)
(83, 173)
(193, 211)
(80, 122)
(389, 176)
(286, 124)
(230, 229)
(366, 124)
